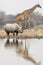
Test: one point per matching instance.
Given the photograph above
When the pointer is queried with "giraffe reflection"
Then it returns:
(19, 50)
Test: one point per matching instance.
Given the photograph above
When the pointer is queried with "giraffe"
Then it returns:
(24, 15)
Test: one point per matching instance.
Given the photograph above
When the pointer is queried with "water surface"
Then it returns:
(8, 55)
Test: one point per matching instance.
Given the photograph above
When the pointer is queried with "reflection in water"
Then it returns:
(14, 43)
(19, 45)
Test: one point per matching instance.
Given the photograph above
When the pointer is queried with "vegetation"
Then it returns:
(33, 20)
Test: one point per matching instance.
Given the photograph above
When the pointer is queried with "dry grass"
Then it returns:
(3, 34)
(26, 34)
(32, 34)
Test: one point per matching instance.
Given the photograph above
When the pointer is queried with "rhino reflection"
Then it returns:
(15, 42)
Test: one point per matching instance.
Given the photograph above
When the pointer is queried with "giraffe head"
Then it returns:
(38, 5)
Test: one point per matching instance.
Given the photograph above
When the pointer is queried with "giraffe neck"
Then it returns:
(29, 11)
